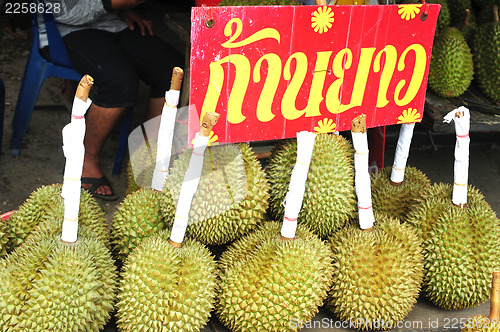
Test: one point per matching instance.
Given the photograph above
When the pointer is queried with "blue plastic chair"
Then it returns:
(37, 70)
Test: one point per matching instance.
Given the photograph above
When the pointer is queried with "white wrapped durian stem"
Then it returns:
(461, 116)
(495, 297)
(191, 179)
(166, 131)
(74, 151)
(361, 174)
(297, 186)
(402, 152)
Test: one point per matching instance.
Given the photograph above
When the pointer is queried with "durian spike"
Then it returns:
(361, 173)
(297, 186)
(495, 297)
(166, 131)
(74, 151)
(191, 179)
(461, 116)
(402, 152)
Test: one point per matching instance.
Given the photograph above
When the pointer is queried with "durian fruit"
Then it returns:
(266, 282)
(138, 216)
(164, 288)
(487, 57)
(232, 194)
(396, 201)
(451, 68)
(3, 238)
(329, 199)
(47, 201)
(378, 264)
(461, 246)
(468, 30)
(169, 284)
(49, 285)
(377, 274)
(492, 322)
(142, 159)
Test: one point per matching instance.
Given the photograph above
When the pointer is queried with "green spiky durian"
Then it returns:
(49, 285)
(266, 283)
(164, 288)
(140, 215)
(143, 160)
(232, 194)
(377, 274)
(395, 201)
(329, 199)
(4, 239)
(451, 69)
(487, 58)
(46, 202)
(461, 247)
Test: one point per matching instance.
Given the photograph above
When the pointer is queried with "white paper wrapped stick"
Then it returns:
(191, 179)
(297, 186)
(74, 151)
(402, 152)
(361, 173)
(461, 116)
(166, 131)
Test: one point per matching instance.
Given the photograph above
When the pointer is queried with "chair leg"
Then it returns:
(33, 78)
(122, 144)
(2, 112)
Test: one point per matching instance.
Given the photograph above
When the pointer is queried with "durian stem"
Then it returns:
(191, 180)
(495, 13)
(495, 297)
(321, 2)
(362, 183)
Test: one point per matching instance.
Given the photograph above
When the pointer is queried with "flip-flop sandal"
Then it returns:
(95, 184)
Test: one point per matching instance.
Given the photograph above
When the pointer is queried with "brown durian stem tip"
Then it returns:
(495, 13)
(495, 297)
(286, 238)
(209, 121)
(321, 2)
(176, 82)
(368, 229)
(461, 205)
(83, 89)
(175, 244)
(359, 124)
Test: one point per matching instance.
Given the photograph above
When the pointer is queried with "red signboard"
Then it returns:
(275, 70)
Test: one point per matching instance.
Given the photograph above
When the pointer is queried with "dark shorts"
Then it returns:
(117, 61)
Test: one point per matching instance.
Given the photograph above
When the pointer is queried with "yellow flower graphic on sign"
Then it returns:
(408, 116)
(322, 19)
(325, 126)
(212, 139)
(408, 12)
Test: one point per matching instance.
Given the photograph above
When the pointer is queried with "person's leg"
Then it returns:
(100, 123)
(96, 53)
(153, 67)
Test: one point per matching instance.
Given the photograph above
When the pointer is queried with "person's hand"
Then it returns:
(132, 19)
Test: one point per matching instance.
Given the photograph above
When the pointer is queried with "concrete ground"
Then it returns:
(41, 162)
